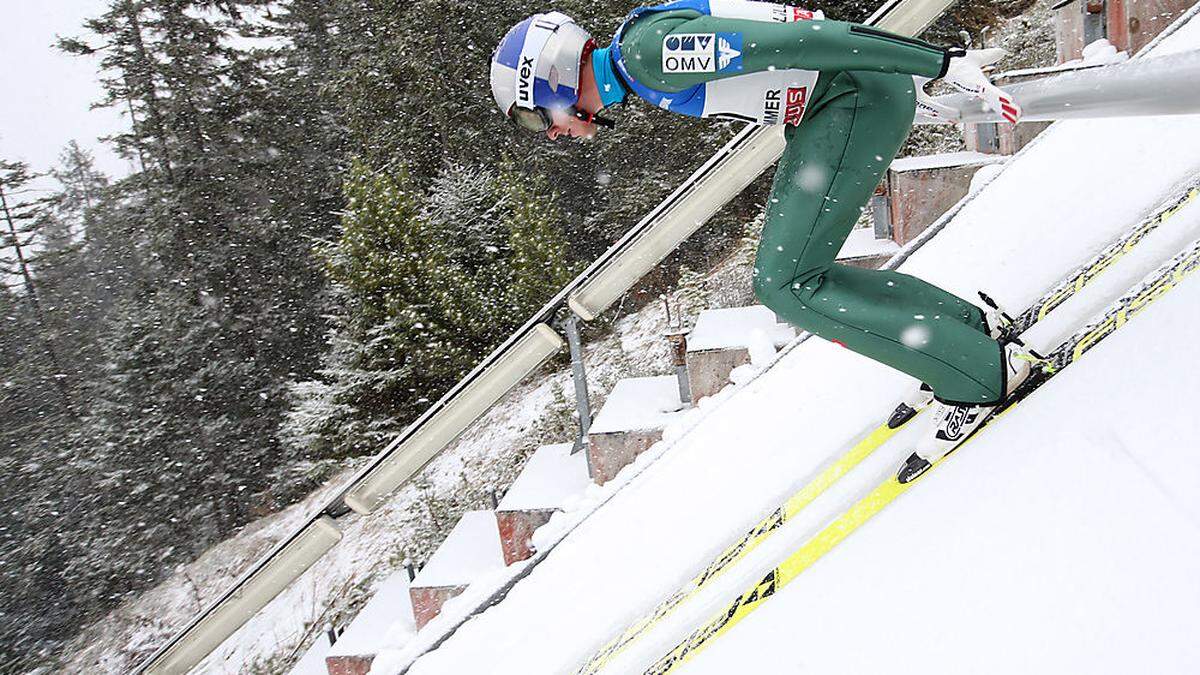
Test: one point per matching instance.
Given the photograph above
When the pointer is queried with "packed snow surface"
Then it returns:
(946, 160)
(387, 614)
(471, 550)
(390, 605)
(862, 243)
(550, 477)
(1061, 541)
(735, 327)
(638, 404)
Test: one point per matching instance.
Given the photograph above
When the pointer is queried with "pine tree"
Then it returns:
(387, 349)
(426, 285)
(28, 224)
(540, 261)
(693, 295)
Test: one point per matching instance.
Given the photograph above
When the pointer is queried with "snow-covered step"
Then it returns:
(631, 420)
(470, 551)
(313, 661)
(551, 477)
(387, 618)
(921, 189)
(724, 339)
(863, 249)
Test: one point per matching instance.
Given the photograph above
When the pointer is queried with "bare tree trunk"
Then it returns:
(145, 79)
(35, 303)
(133, 121)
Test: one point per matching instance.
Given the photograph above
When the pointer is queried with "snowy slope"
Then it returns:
(1054, 207)
(1064, 540)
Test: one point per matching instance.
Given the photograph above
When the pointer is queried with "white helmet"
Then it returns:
(536, 67)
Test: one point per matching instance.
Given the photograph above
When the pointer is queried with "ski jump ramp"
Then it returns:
(651, 240)
(1062, 540)
(720, 179)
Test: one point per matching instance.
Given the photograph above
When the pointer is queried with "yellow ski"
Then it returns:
(734, 553)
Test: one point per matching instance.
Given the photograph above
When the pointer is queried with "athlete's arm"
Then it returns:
(657, 49)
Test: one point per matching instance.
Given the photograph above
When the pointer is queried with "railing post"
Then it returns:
(1095, 14)
(331, 633)
(579, 374)
(678, 340)
(881, 211)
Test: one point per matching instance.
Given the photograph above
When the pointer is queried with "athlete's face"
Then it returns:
(565, 123)
(568, 125)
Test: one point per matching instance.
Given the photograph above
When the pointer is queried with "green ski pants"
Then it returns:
(833, 161)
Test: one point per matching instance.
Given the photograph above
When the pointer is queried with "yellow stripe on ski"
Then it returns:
(739, 550)
(817, 486)
(1085, 276)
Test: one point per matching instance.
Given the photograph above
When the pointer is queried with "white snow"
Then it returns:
(761, 348)
(862, 243)
(639, 404)
(984, 176)
(387, 618)
(313, 661)
(1099, 52)
(551, 477)
(946, 160)
(735, 327)
(1103, 53)
(117, 642)
(470, 551)
(1061, 541)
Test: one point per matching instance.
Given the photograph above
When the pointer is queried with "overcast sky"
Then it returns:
(45, 95)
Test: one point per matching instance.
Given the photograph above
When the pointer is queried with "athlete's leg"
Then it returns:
(829, 170)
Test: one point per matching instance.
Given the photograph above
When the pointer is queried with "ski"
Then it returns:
(740, 549)
(1155, 286)
(1069, 286)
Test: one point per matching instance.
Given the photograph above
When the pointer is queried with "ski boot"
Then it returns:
(952, 424)
(1000, 326)
(910, 406)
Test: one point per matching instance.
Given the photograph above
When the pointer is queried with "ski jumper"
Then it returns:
(846, 93)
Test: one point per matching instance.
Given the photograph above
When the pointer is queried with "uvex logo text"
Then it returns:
(525, 80)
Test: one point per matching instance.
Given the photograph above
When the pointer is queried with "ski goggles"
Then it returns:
(538, 119)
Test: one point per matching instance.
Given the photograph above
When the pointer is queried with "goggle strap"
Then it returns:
(593, 118)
